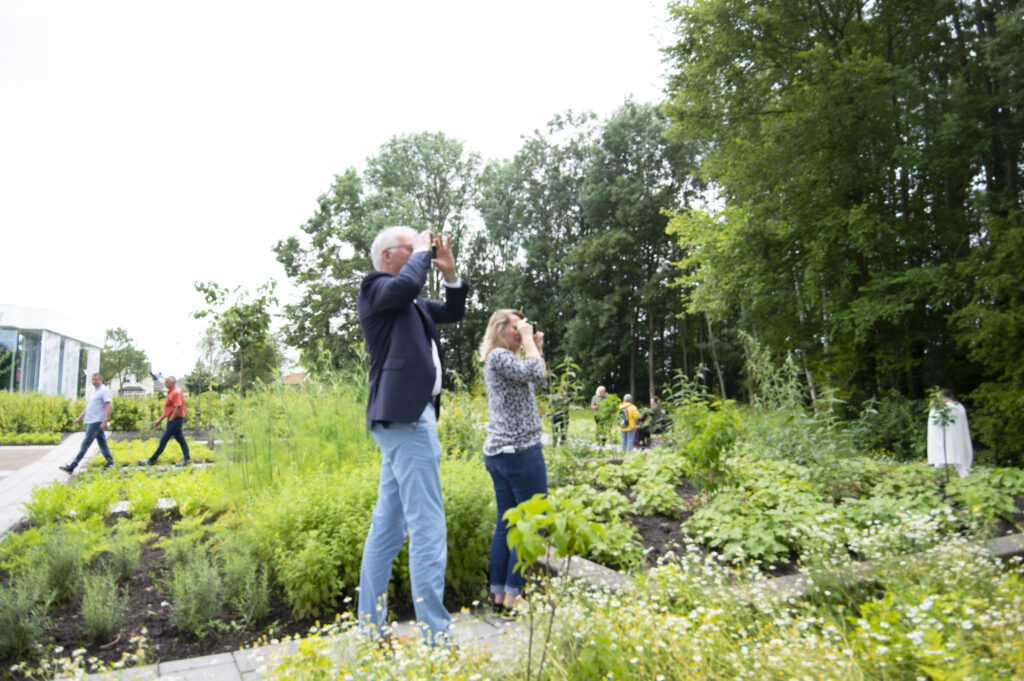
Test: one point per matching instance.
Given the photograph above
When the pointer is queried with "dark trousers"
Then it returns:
(94, 432)
(173, 429)
(517, 476)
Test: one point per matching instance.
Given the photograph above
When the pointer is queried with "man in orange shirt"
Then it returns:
(174, 412)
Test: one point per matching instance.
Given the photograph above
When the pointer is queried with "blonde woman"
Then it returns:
(512, 450)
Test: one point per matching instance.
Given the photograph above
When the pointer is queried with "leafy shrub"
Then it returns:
(469, 508)
(102, 605)
(710, 430)
(246, 585)
(48, 504)
(22, 617)
(767, 516)
(310, 576)
(311, 531)
(187, 540)
(989, 492)
(123, 549)
(37, 413)
(30, 438)
(59, 558)
(196, 594)
(460, 427)
(894, 424)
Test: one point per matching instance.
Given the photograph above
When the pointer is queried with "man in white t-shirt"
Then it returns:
(96, 416)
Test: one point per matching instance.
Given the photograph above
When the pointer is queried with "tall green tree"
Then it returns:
(120, 358)
(576, 237)
(243, 326)
(426, 181)
(867, 157)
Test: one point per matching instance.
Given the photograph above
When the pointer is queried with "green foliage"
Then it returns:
(989, 492)
(102, 605)
(243, 328)
(23, 620)
(559, 522)
(246, 583)
(57, 561)
(278, 432)
(468, 507)
(196, 591)
(48, 504)
(767, 516)
(123, 548)
(459, 428)
(134, 413)
(710, 430)
(310, 576)
(37, 413)
(121, 359)
(30, 438)
(894, 424)
(188, 539)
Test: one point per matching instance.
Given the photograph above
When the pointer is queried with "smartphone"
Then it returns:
(433, 252)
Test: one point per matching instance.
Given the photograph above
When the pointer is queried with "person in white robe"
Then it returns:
(949, 437)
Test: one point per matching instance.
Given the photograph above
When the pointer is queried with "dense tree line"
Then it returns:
(839, 183)
(572, 230)
(869, 160)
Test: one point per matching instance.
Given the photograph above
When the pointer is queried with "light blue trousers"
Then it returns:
(408, 499)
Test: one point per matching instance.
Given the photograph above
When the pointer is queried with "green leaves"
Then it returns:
(545, 521)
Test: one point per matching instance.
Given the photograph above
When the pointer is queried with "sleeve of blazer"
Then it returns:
(453, 309)
(386, 294)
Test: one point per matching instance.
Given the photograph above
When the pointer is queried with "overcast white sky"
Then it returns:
(144, 146)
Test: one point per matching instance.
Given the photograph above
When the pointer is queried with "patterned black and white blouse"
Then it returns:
(511, 382)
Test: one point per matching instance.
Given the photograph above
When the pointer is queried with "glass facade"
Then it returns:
(8, 353)
(43, 361)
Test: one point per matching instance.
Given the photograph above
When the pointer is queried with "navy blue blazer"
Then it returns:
(398, 326)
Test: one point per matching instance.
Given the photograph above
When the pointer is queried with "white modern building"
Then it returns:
(43, 351)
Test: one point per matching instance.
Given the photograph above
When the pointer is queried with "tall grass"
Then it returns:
(282, 431)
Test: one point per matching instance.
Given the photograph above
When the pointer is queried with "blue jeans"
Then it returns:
(628, 436)
(173, 429)
(94, 432)
(517, 476)
(408, 499)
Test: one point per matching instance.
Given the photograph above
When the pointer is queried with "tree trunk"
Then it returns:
(714, 356)
(650, 356)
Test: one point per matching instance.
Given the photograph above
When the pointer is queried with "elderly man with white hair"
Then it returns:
(174, 412)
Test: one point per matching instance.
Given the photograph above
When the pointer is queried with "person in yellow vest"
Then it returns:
(628, 416)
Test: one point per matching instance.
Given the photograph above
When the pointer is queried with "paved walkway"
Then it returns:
(22, 469)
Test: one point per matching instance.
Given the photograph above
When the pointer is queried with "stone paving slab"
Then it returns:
(16, 489)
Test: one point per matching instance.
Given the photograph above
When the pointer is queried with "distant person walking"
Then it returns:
(628, 416)
(513, 454)
(651, 423)
(601, 430)
(949, 437)
(174, 412)
(96, 416)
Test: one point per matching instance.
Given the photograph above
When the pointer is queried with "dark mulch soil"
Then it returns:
(148, 607)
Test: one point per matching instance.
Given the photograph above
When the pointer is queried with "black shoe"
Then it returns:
(183, 464)
(67, 468)
(107, 465)
(145, 462)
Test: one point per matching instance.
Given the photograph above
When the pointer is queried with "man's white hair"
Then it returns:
(172, 379)
(389, 237)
